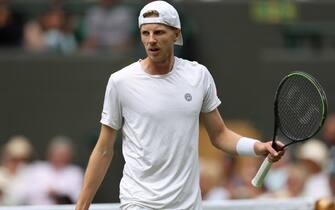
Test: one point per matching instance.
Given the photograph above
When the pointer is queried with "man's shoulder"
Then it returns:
(125, 72)
(190, 65)
(192, 68)
(192, 71)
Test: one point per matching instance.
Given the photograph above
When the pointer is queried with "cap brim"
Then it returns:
(179, 40)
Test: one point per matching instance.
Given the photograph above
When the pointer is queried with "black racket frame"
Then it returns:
(276, 118)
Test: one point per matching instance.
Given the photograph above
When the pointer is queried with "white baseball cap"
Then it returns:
(314, 150)
(167, 15)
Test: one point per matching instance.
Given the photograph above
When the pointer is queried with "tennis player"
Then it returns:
(157, 102)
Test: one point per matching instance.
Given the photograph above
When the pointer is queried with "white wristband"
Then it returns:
(245, 146)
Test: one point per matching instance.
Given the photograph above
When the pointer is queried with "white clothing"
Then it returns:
(317, 186)
(276, 179)
(134, 207)
(12, 186)
(217, 194)
(45, 178)
(159, 116)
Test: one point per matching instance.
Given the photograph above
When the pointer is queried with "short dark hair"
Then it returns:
(151, 13)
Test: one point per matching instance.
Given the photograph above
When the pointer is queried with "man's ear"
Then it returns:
(177, 32)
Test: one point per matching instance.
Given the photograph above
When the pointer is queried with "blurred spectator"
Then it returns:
(294, 183)
(332, 180)
(232, 181)
(209, 176)
(328, 134)
(16, 155)
(222, 190)
(11, 24)
(57, 180)
(109, 26)
(276, 178)
(242, 188)
(314, 156)
(53, 32)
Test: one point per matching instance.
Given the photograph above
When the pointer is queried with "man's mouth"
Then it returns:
(154, 49)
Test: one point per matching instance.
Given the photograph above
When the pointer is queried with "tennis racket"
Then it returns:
(300, 108)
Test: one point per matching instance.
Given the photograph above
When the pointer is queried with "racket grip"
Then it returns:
(258, 180)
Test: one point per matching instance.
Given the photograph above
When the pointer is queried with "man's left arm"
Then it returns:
(227, 140)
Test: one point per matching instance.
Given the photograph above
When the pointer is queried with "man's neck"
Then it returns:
(157, 68)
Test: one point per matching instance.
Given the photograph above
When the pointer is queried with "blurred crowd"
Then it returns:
(108, 25)
(103, 26)
(307, 170)
(26, 180)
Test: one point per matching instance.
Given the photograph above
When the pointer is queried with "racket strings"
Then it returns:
(299, 108)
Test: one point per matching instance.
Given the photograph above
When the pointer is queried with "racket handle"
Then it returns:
(258, 180)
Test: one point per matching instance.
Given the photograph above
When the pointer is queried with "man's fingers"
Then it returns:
(280, 144)
(275, 157)
(272, 151)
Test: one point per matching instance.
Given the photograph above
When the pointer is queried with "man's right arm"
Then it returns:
(98, 164)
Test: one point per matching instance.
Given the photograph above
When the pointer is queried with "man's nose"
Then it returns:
(152, 38)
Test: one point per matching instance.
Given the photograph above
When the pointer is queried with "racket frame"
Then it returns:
(258, 180)
(276, 118)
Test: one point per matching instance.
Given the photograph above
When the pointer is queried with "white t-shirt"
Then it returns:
(159, 116)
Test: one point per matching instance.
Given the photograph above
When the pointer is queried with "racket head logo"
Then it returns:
(188, 97)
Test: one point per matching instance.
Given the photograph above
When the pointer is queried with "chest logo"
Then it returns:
(188, 97)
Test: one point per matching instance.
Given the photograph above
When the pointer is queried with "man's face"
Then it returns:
(158, 41)
(60, 155)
